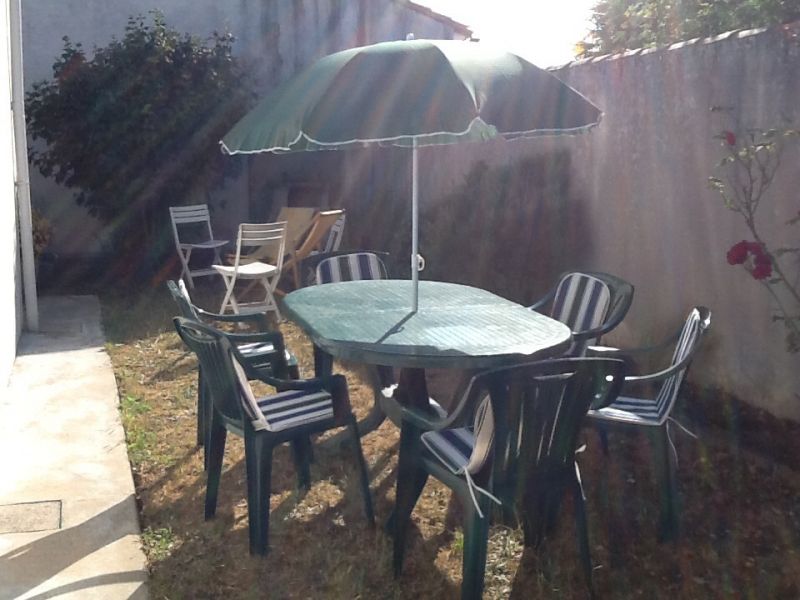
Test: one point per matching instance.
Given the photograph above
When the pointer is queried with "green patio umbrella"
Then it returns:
(411, 93)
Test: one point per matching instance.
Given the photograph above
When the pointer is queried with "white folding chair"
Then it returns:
(255, 244)
(197, 215)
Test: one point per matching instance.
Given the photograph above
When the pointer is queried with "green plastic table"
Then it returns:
(456, 326)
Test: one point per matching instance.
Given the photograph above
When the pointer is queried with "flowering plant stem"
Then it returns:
(748, 170)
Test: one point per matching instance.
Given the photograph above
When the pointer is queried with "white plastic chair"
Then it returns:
(197, 215)
(255, 244)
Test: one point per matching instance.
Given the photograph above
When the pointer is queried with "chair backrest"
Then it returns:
(214, 355)
(181, 297)
(227, 381)
(334, 239)
(191, 215)
(355, 266)
(694, 328)
(298, 221)
(323, 222)
(581, 301)
(526, 432)
(261, 241)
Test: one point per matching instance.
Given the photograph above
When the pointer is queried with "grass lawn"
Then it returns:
(741, 510)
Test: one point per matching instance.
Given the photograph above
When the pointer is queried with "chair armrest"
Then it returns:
(424, 420)
(663, 374)
(314, 384)
(544, 300)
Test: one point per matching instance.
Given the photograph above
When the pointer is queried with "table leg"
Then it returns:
(380, 377)
(412, 390)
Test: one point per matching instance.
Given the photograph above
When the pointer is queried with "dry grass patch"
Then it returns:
(741, 518)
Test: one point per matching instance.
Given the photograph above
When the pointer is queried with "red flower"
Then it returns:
(762, 270)
(753, 256)
(738, 253)
(730, 138)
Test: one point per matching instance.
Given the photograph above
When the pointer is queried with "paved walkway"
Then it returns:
(68, 521)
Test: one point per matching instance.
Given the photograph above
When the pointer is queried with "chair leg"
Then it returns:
(227, 299)
(258, 460)
(201, 408)
(582, 528)
(362, 471)
(410, 481)
(269, 299)
(301, 453)
(668, 529)
(186, 272)
(215, 450)
(476, 538)
(602, 433)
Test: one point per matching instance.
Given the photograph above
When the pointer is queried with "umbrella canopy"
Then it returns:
(411, 93)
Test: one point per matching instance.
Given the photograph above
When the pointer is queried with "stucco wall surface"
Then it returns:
(10, 288)
(644, 174)
(633, 200)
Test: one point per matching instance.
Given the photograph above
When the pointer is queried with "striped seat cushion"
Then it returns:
(640, 411)
(453, 447)
(463, 449)
(581, 302)
(283, 410)
(351, 267)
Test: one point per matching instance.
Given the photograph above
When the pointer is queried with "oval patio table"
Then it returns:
(456, 326)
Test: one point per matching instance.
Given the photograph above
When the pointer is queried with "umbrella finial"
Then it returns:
(410, 36)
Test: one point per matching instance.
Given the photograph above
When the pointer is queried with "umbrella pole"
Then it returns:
(414, 227)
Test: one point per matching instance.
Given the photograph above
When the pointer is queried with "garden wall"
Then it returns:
(10, 284)
(630, 198)
(274, 38)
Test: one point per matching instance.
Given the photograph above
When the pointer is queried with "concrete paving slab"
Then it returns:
(59, 420)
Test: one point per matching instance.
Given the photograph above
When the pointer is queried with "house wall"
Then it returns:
(11, 288)
(275, 38)
(630, 198)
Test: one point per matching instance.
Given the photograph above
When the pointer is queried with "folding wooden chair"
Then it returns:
(317, 235)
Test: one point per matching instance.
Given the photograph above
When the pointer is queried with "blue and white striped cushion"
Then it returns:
(350, 267)
(644, 411)
(283, 410)
(453, 447)
(641, 411)
(293, 408)
(581, 303)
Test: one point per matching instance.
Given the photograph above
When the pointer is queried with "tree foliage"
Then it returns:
(135, 127)
(619, 25)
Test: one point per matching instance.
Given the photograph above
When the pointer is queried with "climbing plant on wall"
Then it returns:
(744, 176)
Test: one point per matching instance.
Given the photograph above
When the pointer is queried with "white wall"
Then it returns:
(10, 286)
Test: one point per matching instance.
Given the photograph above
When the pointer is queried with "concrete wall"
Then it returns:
(275, 38)
(644, 174)
(630, 198)
(10, 285)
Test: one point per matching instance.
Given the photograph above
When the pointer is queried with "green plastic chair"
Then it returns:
(519, 453)
(299, 408)
(635, 408)
(259, 355)
(590, 303)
